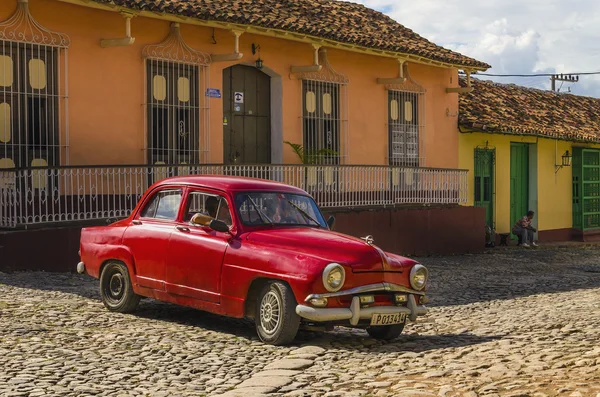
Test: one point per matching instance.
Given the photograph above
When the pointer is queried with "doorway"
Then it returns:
(246, 116)
(519, 182)
(484, 183)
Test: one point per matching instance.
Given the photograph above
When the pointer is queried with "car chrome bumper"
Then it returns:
(81, 268)
(355, 313)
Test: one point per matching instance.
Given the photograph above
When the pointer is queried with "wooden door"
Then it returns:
(519, 182)
(246, 116)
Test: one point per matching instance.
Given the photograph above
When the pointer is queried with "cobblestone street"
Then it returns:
(508, 323)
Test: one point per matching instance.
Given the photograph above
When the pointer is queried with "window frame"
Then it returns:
(32, 138)
(152, 196)
(220, 195)
(173, 153)
(320, 120)
(401, 127)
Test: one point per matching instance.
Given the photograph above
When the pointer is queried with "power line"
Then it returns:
(530, 75)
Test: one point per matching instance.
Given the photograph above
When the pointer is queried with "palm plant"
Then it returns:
(310, 156)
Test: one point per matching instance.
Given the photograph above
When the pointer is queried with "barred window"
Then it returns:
(32, 61)
(173, 113)
(176, 108)
(406, 124)
(322, 121)
(325, 114)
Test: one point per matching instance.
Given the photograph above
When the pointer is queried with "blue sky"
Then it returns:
(514, 36)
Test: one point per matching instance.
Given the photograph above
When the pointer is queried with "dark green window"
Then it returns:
(484, 182)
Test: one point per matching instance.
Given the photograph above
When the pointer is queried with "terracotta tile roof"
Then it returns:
(339, 21)
(512, 109)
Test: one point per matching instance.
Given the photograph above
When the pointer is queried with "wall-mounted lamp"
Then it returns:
(567, 159)
(255, 49)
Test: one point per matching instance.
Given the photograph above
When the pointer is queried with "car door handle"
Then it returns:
(183, 229)
(136, 222)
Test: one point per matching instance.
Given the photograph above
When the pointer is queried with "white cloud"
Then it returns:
(514, 36)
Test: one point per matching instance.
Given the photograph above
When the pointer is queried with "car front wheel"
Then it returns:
(386, 332)
(116, 290)
(276, 320)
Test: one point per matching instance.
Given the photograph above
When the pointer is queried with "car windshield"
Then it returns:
(274, 208)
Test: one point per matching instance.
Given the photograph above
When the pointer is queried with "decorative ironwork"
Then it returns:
(175, 49)
(409, 84)
(177, 112)
(34, 127)
(327, 73)
(35, 196)
(325, 113)
(406, 122)
(23, 28)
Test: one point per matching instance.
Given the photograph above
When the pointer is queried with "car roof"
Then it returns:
(231, 183)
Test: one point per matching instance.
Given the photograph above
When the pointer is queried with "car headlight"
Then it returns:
(333, 277)
(418, 277)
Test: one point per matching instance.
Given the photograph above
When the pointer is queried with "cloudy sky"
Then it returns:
(514, 36)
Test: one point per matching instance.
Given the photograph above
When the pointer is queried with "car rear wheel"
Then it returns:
(276, 320)
(116, 290)
(386, 332)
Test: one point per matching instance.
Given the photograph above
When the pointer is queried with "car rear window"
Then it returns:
(164, 205)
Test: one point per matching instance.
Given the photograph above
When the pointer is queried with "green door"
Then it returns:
(484, 183)
(519, 182)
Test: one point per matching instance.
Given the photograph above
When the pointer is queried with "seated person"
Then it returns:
(525, 230)
(218, 209)
(224, 214)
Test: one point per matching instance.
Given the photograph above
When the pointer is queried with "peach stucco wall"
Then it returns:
(106, 88)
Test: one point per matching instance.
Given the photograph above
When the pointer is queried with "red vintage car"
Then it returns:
(246, 247)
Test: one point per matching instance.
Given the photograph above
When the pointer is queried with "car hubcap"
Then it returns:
(115, 286)
(270, 307)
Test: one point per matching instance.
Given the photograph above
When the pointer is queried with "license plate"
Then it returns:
(388, 319)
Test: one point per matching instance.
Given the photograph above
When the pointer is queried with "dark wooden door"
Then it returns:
(247, 116)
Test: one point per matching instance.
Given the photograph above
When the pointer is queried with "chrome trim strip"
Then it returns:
(383, 287)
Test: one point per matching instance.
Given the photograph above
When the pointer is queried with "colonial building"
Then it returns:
(529, 149)
(100, 98)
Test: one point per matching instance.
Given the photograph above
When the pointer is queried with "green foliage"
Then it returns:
(311, 156)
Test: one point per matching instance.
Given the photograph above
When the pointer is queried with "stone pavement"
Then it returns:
(511, 322)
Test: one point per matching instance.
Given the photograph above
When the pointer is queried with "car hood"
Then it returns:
(332, 247)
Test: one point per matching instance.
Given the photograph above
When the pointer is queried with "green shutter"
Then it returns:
(586, 188)
(484, 183)
(519, 182)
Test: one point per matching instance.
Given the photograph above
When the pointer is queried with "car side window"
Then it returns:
(210, 205)
(164, 205)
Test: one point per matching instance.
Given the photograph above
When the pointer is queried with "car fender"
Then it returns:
(104, 253)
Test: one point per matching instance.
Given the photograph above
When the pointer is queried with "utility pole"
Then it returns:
(560, 77)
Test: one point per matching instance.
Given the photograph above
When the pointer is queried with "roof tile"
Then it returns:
(512, 109)
(341, 21)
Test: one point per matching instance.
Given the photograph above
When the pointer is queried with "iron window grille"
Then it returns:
(325, 115)
(33, 93)
(406, 123)
(177, 114)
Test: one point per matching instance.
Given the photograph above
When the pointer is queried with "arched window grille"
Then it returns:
(325, 114)
(177, 112)
(406, 123)
(34, 128)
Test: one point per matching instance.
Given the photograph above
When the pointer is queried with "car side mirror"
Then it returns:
(219, 226)
(331, 222)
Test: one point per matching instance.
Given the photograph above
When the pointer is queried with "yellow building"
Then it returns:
(529, 149)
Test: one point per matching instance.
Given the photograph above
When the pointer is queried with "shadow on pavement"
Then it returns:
(511, 273)
(341, 338)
